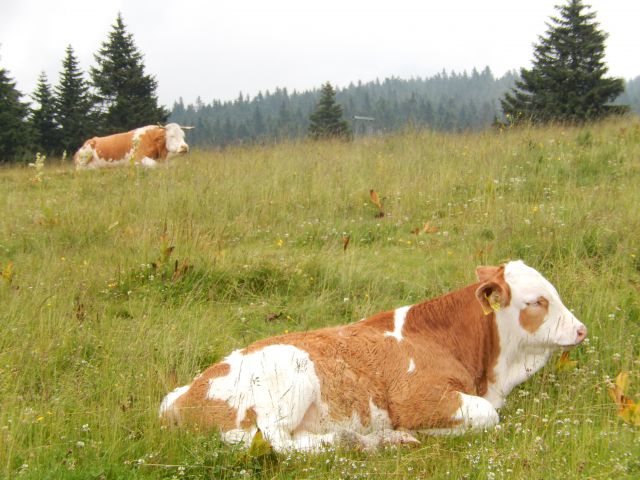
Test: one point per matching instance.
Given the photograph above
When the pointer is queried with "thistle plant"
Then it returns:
(39, 166)
(132, 158)
(84, 158)
(134, 150)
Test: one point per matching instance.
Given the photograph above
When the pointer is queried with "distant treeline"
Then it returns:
(448, 101)
(631, 95)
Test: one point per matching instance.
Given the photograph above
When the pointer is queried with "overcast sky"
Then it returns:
(217, 48)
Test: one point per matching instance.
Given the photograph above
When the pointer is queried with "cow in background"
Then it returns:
(143, 146)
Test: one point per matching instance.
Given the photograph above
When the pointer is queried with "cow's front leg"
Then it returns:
(148, 162)
(374, 440)
(475, 414)
(282, 440)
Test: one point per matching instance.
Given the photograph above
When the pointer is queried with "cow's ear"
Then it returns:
(493, 295)
(486, 273)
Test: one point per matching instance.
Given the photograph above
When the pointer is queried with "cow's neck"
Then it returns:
(516, 362)
(458, 315)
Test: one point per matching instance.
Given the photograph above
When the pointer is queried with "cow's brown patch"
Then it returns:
(113, 147)
(382, 321)
(153, 144)
(249, 419)
(459, 343)
(195, 408)
(309, 421)
(533, 315)
(347, 361)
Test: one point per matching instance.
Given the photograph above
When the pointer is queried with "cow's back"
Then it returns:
(113, 147)
(350, 366)
(360, 372)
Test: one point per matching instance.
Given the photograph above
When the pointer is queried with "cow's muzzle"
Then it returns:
(581, 334)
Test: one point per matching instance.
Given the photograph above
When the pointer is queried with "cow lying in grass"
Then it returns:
(144, 146)
(442, 366)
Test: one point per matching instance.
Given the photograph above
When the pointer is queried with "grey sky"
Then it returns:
(217, 48)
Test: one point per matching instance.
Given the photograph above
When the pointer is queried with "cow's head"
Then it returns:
(174, 137)
(528, 308)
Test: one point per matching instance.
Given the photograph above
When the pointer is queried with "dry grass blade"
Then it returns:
(375, 199)
(565, 364)
(345, 242)
(430, 228)
(7, 272)
(179, 270)
(628, 410)
(273, 316)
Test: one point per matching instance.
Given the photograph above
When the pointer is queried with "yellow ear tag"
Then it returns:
(495, 305)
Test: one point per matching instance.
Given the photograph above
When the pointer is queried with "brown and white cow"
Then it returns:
(442, 366)
(144, 146)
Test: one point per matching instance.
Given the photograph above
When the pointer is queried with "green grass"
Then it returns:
(93, 336)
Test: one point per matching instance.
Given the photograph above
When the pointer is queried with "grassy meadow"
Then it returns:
(100, 317)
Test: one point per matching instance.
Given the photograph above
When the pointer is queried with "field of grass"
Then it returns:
(100, 318)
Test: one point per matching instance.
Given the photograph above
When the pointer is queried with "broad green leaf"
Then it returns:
(259, 446)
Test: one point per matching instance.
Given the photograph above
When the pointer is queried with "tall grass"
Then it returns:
(99, 321)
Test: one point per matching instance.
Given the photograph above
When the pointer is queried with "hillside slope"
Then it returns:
(119, 285)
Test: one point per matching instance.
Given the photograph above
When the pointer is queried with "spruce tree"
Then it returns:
(46, 133)
(126, 95)
(258, 127)
(14, 129)
(326, 120)
(283, 122)
(74, 110)
(567, 81)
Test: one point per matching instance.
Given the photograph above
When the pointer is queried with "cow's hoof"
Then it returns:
(350, 440)
(399, 437)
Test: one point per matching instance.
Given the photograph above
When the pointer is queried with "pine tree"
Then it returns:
(14, 129)
(74, 110)
(567, 80)
(126, 95)
(178, 109)
(46, 133)
(283, 123)
(257, 123)
(326, 120)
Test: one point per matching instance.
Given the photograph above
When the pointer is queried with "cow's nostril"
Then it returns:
(582, 334)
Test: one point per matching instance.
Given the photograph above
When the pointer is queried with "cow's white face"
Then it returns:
(532, 323)
(541, 317)
(175, 139)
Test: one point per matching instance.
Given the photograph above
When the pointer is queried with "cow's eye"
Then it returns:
(535, 303)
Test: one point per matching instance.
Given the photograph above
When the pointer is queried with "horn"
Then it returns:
(186, 128)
